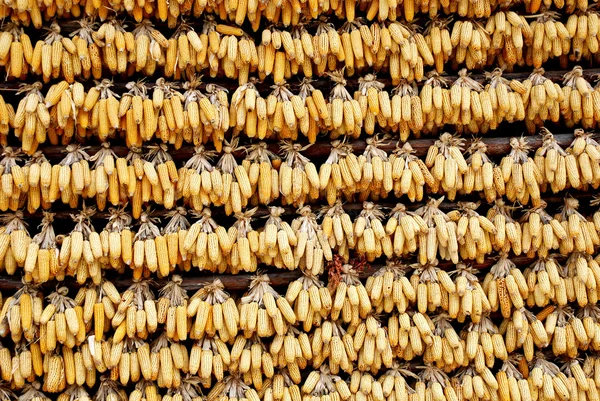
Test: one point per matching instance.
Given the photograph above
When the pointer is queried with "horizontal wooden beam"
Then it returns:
(240, 282)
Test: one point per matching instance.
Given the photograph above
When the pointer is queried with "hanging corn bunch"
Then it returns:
(340, 172)
(510, 33)
(99, 303)
(201, 184)
(508, 235)
(521, 175)
(371, 238)
(467, 109)
(20, 316)
(159, 168)
(32, 117)
(438, 235)
(540, 232)
(298, 177)
(64, 102)
(546, 378)
(100, 110)
(312, 250)
(407, 110)
(372, 344)
(175, 232)
(172, 309)
(323, 384)
(581, 234)
(14, 179)
(14, 241)
(118, 237)
(346, 114)
(434, 383)
(584, 153)
(81, 250)
(205, 118)
(512, 380)
(404, 228)
(248, 111)
(107, 185)
(545, 283)
(439, 41)
(435, 101)
(310, 299)
(550, 39)
(182, 50)
(209, 356)
(446, 348)
(150, 251)
(500, 102)
(581, 278)
(376, 177)
(479, 176)
(189, 390)
(433, 287)
(262, 173)
(208, 243)
(61, 322)
(475, 382)
(242, 256)
(409, 173)
(541, 97)
(550, 158)
(149, 45)
(71, 177)
(389, 288)
(505, 287)
(172, 363)
(135, 112)
(473, 231)
(447, 164)
(483, 343)
(41, 262)
(52, 57)
(285, 113)
(136, 315)
(471, 43)
(332, 347)
(349, 295)
(168, 111)
(338, 229)
(213, 309)
(374, 102)
(263, 311)
(577, 106)
(235, 183)
(288, 389)
(469, 299)
(277, 241)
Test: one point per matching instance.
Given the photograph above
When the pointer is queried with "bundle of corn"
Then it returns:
(32, 117)
(340, 172)
(263, 311)
(540, 233)
(262, 173)
(13, 178)
(99, 303)
(407, 111)
(20, 316)
(581, 278)
(312, 251)
(577, 106)
(409, 173)
(245, 246)
(581, 234)
(232, 387)
(521, 175)
(346, 114)
(118, 237)
(389, 288)
(309, 297)
(323, 384)
(235, 185)
(541, 97)
(349, 295)
(550, 39)
(207, 242)
(14, 241)
(338, 229)
(61, 322)
(545, 283)
(374, 101)
(507, 103)
(277, 241)
(41, 263)
(483, 343)
(81, 250)
(505, 286)
(100, 110)
(439, 234)
(333, 347)
(213, 309)
(136, 314)
(586, 151)
(447, 163)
